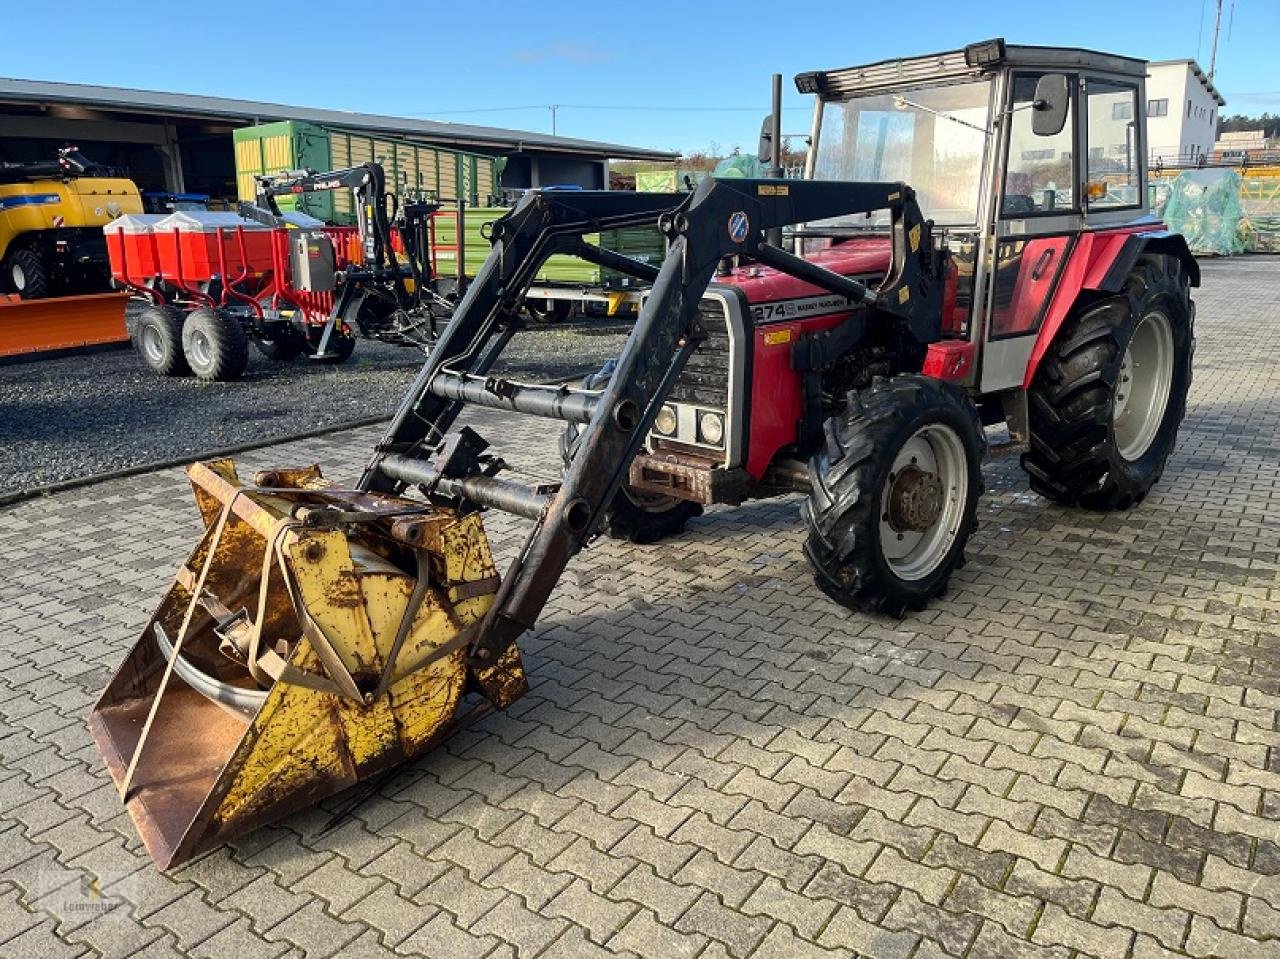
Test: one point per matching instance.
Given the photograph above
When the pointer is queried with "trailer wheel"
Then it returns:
(27, 274)
(157, 336)
(894, 494)
(215, 345)
(549, 311)
(1107, 400)
(341, 346)
(634, 515)
(279, 349)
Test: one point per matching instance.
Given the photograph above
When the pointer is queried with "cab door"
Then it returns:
(1037, 220)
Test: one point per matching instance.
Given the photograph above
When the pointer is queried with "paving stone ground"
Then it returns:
(1075, 753)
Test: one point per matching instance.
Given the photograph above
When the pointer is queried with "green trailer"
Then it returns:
(641, 243)
(411, 167)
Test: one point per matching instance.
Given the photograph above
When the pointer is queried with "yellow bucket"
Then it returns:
(314, 637)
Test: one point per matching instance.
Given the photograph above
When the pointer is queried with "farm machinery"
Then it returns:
(214, 282)
(51, 218)
(966, 249)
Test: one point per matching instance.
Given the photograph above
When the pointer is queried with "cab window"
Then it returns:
(1039, 175)
(1111, 178)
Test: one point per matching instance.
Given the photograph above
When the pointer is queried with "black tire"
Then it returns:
(635, 516)
(1075, 453)
(278, 349)
(27, 274)
(157, 336)
(549, 311)
(848, 479)
(215, 345)
(340, 349)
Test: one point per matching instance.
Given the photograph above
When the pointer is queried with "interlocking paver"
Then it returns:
(850, 932)
(738, 933)
(1076, 748)
(601, 917)
(646, 936)
(513, 922)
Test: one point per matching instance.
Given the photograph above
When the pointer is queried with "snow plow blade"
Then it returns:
(61, 323)
(315, 637)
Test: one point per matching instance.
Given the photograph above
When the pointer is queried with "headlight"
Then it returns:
(711, 426)
(665, 421)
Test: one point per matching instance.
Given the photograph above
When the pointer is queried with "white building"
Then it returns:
(1182, 112)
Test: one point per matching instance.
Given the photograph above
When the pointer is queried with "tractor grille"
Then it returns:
(699, 399)
(704, 381)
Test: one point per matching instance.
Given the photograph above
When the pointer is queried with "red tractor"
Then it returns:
(1061, 307)
(972, 245)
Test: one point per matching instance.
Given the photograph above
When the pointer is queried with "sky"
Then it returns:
(648, 73)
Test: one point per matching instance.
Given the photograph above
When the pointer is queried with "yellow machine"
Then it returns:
(51, 219)
(335, 665)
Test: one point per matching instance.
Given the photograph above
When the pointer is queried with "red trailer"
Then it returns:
(215, 281)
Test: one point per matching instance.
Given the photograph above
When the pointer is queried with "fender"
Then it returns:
(1099, 263)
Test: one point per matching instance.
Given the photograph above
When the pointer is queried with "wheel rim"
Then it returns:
(923, 501)
(201, 349)
(19, 276)
(649, 502)
(1143, 388)
(152, 345)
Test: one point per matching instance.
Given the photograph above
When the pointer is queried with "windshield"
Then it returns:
(931, 138)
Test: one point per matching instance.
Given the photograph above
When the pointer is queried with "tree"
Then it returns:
(1268, 124)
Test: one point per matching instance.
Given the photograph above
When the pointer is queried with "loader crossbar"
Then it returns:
(721, 218)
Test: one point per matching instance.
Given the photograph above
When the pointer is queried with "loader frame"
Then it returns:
(721, 219)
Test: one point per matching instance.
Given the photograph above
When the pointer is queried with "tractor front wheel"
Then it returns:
(894, 494)
(215, 345)
(643, 517)
(1107, 400)
(635, 515)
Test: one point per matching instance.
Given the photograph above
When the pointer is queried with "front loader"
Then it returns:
(1008, 272)
(319, 635)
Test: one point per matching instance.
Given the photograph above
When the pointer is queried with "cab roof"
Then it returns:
(974, 61)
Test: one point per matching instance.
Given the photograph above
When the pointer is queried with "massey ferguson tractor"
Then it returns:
(972, 245)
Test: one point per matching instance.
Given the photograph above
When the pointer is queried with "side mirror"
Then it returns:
(764, 152)
(1049, 108)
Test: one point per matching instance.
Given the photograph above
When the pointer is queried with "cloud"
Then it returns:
(565, 51)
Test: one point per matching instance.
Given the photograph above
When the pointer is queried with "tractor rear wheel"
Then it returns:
(894, 493)
(1107, 400)
(28, 276)
(635, 515)
(157, 336)
(215, 345)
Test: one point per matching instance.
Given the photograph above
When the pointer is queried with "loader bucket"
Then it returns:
(314, 637)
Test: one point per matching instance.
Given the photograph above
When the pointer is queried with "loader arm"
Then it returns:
(722, 218)
(368, 186)
(317, 636)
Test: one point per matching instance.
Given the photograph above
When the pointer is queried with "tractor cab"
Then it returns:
(1016, 153)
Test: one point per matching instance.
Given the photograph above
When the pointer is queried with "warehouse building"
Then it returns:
(184, 143)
